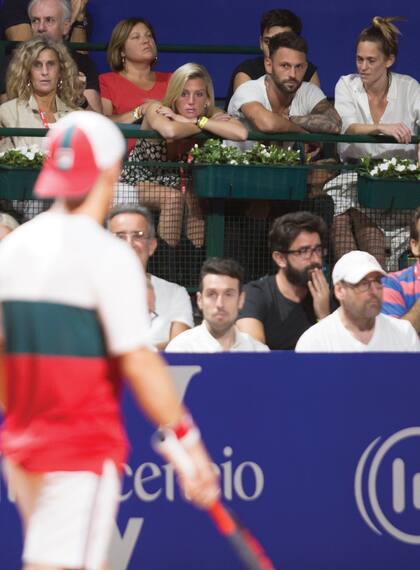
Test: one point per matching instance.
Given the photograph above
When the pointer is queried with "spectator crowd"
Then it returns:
(44, 79)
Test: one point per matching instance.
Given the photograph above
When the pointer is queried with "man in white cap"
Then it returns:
(357, 325)
(74, 317)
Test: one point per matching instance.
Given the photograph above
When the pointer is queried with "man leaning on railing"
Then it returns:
(281, 101)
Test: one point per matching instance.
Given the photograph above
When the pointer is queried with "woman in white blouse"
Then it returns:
(372, 102)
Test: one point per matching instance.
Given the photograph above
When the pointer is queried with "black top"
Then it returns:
(255, 69)
(82, 60)
(85, 65)
(14, 12)
(284, 321)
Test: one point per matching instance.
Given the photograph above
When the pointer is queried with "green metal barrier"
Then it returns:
(162, 48)
(234, 199)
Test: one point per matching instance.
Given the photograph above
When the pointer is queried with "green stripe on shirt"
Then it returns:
(34, 327)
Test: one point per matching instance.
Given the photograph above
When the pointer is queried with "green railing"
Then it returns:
(162, 48)
(131, 132)
(234, 223)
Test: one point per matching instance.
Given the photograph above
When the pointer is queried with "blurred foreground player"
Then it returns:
(73, 296)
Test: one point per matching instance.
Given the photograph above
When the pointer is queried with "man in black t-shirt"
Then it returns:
(279, 308)
(272, 23)
(53, 18)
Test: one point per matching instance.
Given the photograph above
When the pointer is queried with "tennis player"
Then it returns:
(75, 320)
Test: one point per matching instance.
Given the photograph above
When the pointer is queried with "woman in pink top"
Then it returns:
(132, 82)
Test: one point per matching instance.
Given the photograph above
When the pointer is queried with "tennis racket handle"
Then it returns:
(165, 442)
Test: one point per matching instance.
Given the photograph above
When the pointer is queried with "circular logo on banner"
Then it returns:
(399, 499)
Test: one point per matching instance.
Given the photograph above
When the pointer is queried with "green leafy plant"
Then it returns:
(401, 168)
(23, 157)
(214, 151)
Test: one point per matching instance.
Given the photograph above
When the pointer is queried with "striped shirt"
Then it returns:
(401, 291)
(72, 298)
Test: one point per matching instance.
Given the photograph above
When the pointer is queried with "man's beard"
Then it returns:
(300, 277)
(282, 87)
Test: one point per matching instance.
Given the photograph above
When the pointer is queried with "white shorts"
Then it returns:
(68, 515)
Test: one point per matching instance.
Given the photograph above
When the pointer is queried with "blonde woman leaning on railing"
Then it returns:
(186, 110)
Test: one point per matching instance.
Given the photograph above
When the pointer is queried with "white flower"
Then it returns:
(384, 166)
(233, 162)
(30, 155)
(393, 161)
(374, 172)
(412, 167)
(400, 168)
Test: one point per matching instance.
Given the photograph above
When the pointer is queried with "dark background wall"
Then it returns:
(330, 26)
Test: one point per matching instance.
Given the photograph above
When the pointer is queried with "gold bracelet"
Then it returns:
(138, 113)
(202, 122)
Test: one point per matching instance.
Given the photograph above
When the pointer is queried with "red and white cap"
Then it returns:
(79, 147)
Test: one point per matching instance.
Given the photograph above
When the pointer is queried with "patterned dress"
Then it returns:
(151, 150)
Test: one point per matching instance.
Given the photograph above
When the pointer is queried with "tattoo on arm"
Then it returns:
(322, 119)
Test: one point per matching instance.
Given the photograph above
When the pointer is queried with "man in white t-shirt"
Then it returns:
(220, 297)
(172, 312)
(281, 101)
(357, 325)
(75, 322)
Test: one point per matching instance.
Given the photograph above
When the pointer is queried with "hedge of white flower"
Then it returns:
(23, 156)
(214, 151)
(391, 168)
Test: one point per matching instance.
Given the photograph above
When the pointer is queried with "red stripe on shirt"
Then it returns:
(62, 413)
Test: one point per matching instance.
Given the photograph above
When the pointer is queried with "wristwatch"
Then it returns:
(83, 23)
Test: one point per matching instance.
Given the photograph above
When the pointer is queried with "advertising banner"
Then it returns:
(319, 455)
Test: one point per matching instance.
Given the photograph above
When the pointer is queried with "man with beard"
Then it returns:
(281, 101)
(220, 297)
(357, 325)
(279, 308)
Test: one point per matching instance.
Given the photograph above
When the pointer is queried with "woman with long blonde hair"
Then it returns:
(186, 110)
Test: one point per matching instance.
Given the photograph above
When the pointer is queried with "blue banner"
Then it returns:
(318, 454)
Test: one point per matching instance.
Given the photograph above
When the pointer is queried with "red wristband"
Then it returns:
(185, 425)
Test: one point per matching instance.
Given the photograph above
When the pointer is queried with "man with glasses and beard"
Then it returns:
(279, 308)
(357, 325)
